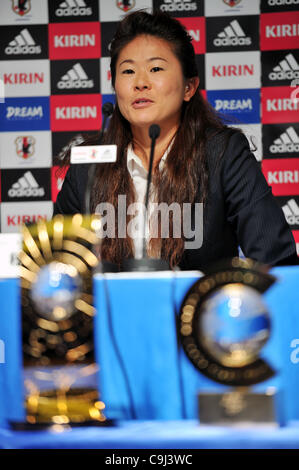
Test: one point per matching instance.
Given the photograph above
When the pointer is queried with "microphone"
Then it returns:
(154, 132)
(107, 110)
(146, 263)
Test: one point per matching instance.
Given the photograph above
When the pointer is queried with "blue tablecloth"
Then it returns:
(147, 308)
(184, 434)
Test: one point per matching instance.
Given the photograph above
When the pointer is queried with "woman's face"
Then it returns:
(149, 83)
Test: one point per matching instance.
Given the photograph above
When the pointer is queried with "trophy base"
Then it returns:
(23, 426)
(63, 409)
(238, 407)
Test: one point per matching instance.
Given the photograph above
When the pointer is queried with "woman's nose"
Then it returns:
(141, 87)
(142, 82)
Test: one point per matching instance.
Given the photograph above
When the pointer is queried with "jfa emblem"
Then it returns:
(232, 3)
(126, 5)
(25, 146)
(21, 7)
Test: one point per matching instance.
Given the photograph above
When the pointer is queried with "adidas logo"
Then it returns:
(274, 3)
(178, 5)
(232, 35)
(291, 212)
(287, 142)
(287, 69)
(73, 8)
(26, 186)
(23, 43)
(75, 78)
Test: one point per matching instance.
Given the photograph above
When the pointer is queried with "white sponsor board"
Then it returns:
(114, 10)
(233, 70)
(14, 214)
(94, 154)
(241, 7)
(2, 92)
(25, 77)
(35, 12)
(10, 247)
(253, 132)
(25, 149)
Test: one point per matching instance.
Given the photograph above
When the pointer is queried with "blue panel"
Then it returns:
(239, 106)
(11, 384)
(2, 366)
(25, 114)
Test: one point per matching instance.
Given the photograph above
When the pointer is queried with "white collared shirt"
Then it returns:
(139, 176)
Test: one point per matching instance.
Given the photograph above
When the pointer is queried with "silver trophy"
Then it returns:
(224, 325)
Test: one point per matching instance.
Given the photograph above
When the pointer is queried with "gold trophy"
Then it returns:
(60, 373)
(224, 325)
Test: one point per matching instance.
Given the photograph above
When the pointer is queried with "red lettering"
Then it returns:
(232, 70)
(38, 77)
(24, 219)
(248, 69)
(216, 71)
(23, 78)
(7, 78)
(11, 220)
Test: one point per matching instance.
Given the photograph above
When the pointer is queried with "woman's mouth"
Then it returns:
(142, 103)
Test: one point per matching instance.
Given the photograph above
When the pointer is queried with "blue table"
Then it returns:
(163, 382)
(182, 434)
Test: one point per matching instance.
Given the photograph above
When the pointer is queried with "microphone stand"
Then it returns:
(145, 263)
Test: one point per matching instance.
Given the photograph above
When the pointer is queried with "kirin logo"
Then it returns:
(126, 5)
(21, 7)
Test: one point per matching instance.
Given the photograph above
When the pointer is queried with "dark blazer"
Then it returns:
(240, 208)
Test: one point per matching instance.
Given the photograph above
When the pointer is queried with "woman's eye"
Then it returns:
(156, 69)
(128, 71)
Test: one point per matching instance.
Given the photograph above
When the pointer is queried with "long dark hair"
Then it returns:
(185, 176)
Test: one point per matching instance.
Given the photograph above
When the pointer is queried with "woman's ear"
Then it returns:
(190, 88)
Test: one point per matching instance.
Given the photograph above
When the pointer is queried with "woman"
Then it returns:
(197, 158)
